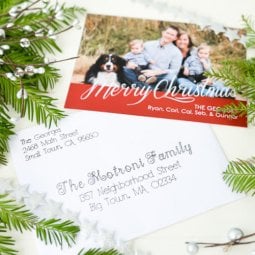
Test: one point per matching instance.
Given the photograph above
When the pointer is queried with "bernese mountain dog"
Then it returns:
(107, 71)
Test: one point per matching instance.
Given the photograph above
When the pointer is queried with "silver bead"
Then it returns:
(39, 33)
(13, 12)
(22, 93)
(24, 43)
(2, 33)
(235, 234)
(51, 34)
(40, 70)
(19, 72)
(8, 25)
(75, 22)
(27, 28)
(46, 60)
(5, 47)
(11, 76)
(192, 248)
(24, 5)
(30, 70)
(59, 15)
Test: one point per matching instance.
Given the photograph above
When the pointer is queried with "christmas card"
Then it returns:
(155, 68)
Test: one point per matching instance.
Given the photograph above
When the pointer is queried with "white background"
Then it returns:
(236, 142)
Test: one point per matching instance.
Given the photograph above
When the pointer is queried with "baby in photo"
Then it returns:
(140, 60)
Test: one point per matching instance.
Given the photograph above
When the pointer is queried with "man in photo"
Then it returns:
(167, 61)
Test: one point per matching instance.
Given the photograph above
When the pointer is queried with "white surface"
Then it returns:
(236, 142)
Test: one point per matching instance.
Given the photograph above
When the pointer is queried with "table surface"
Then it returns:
(236, 142)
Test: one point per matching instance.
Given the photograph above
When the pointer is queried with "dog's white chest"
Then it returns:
(106, 79)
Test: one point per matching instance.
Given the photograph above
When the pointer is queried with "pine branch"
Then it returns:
(37, 106)
(49, 231)
(240, 109)
(6, 130)
(54, 231)
(238, 74)
(99, 252)
(241, 175)
(15, 216)
(250, 31)
(5, 4)
(6, 242)
(37, 23)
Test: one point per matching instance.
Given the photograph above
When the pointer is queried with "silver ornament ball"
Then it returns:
(24, 43)
(2, 33)
(29, 70)
(13, 11)
(8, 25)
(27, 28)
(22, 93)
(39, 33)
(192, 248)
(11, 76)
(235, 234)
(5, 47)
(19, 72)
(46, 60)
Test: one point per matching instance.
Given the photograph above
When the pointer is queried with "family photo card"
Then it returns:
(133, 175)
(153, 68)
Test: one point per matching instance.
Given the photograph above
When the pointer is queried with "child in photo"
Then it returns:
(195, 65)
(140, 60)
(194, 68)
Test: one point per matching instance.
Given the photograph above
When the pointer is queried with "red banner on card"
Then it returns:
(145, 102)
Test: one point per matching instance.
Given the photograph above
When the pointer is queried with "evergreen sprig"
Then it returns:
(27, 93)
(240, 175)
(13, 216)
(6, 242)
(57, 232)
(6, 128)
(250, 30)
(239, 74)
(99, 252)
(241, 109)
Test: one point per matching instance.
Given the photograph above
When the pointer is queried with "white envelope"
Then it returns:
(133, 175)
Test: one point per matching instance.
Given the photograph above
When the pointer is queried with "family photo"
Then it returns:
(156, 55)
